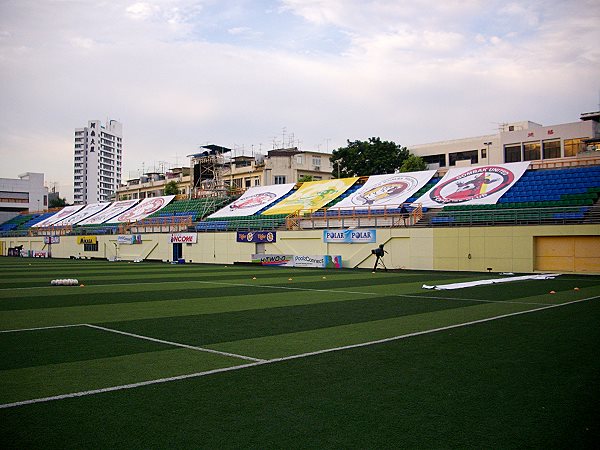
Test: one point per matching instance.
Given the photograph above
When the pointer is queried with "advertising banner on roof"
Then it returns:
(143, 209)
(312, 195)
(110, 212)
(60, 215)
(253, 200)
(386, 190)
(86, 212)
(482, 185)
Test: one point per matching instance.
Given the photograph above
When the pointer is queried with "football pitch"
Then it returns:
(154, 355)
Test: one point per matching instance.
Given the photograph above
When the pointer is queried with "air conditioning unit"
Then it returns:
(318, 168)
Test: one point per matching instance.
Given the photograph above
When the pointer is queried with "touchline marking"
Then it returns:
(176, 344)
(285, 358)
(202, 282)
(43, 328)
(470, 300)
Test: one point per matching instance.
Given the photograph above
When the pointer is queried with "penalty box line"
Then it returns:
(176, 344)
(285, 358)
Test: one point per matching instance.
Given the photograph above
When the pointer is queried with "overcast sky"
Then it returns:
(183, 73)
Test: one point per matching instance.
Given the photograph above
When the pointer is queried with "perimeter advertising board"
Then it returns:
(183, 238)
(350, 236)
(314, 261)
(256, 236)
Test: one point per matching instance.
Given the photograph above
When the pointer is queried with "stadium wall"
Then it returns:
(503, 249)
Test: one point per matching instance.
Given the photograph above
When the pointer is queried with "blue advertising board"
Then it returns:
(256, 236)
(349, 236)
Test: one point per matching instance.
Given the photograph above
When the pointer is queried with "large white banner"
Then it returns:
(143, 209)
(86, 212)
(482, 185)
(253, 200)
(386, 190)
(110, 212)
(60, 215)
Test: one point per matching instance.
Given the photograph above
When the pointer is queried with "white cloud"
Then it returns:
(179, 73)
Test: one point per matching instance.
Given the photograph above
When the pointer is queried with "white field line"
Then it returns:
(470, 299)
(285, 358)
(43, 328)
(176, 344)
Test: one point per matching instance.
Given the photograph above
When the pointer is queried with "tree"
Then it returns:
(57, 202)
(372, 157)
(413, 163)
(171, 188)
(305, 178)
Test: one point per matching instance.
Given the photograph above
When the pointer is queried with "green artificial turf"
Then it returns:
(526, 380)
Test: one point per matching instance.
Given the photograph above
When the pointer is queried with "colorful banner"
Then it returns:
(273, 260)
(319, 261)
(349, 236)
(83, 214)
(60, 215)
(87, 240)
(482, 185)
(386, 190)
(253, 200)
(256, 236)
(312, 196)
(110, 212)
(183, 238)
(129, 239)
(143, 209)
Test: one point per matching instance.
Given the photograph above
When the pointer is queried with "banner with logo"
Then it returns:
(83, 214)
(253, 200)
(143, 209)
(318, 261)
(256, 236)
(482, 185)
(110, 212)
(350, 236)
(183, 238)
(273, 260)
(51, 239)
(312, 196)
(386, 190)
(129, 239)
(87, 240)
(60, 215)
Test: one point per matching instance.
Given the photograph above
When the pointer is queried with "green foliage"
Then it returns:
(171, 188)
(305, 178)
(372, 157)
(413, 163)
(57, 202)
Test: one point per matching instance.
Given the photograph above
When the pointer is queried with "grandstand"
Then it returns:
(555, 198)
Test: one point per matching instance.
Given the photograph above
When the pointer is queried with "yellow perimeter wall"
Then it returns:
(503, 249)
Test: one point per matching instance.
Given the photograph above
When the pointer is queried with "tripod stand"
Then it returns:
(379, 252)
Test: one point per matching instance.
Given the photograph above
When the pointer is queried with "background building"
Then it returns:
(98, 161)
(26, 193)
(518, 141)
(217, 168)
(152, 184)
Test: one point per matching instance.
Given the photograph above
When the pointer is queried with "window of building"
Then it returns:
(237, 183)
(436, 159)
(471, 155)
(573, 146)
(551, 149)
(248, 182)
(512, 153)
(316, 160)
(531, 151)
(483, 153)
(279, 179)
(257, 182)
(298, 159)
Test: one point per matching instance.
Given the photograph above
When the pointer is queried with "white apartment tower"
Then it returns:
(98, 161)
